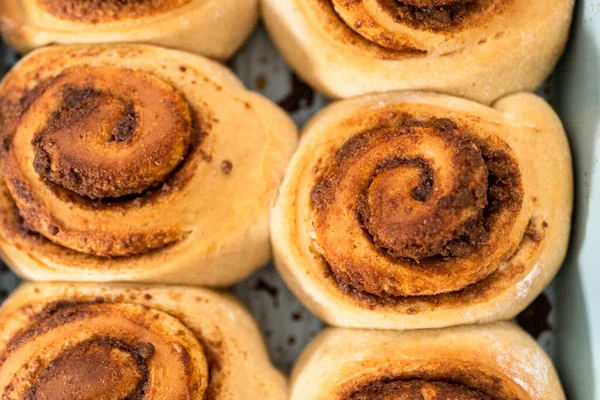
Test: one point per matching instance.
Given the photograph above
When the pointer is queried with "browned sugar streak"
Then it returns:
(447, 17)
(337, 27)
(415, 304)
(416, 390)
(436, 15)
(23, 229)
(53, 315)
(436, 381)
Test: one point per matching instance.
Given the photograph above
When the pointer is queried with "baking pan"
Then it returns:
(565, 319)
(577, 101)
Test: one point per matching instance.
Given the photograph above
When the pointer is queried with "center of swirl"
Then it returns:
(411, 216)
(110, 132)
(95, 370)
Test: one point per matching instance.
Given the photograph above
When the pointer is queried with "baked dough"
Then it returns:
(136, 163)
(214, 28)
(495, 362)
(418, 210)
(477, 49)
(65, 341)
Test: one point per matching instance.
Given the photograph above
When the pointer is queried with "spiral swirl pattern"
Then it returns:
(385, 22)
(138, 124)
(156, 346)
(476, 49)
(415, 209)
(129, 343)
(97, 133)
(432, 208)
(125, 162)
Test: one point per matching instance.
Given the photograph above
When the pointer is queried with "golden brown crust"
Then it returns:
(95, 12)
(489, 362)
(214, 28)
(351, 47)
(141, 185)
(131, 342)
(420, 210)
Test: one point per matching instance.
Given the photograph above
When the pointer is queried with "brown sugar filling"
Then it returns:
(435, 15)
(410, 390)
(102, 11)
(101, 367)
(386, 223)
(436, 382)
(363, 18)
(95, 369)
(95, 142)
(111, 138)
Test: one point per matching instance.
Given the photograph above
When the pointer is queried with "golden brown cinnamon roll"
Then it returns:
(61, 341)
(214, 28)
(131, 162)
(414, 210)
(486, 362)
(478, 49)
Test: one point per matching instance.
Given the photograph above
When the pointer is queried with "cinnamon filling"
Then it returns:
(95, 143)
(434, 15)
(388, 23)
(436, 380)
(101, 136)
(95, 370)
(103, 361)
(450, 229)
(102, 11)
(417, 209)
(411, 390)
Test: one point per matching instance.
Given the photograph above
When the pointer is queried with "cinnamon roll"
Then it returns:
(487, 362)
(214, 28)
(64, 341)
(136, 163)
(417, 210)
(478, 49)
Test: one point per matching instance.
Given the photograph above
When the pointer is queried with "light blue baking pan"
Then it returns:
(566, 318)
(577, 101)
